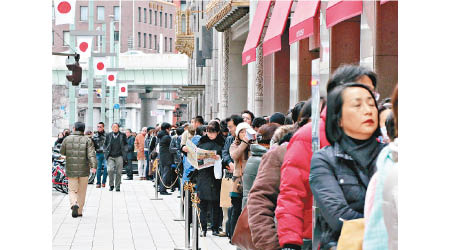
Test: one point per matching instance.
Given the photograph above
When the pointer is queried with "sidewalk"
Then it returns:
(123, 220)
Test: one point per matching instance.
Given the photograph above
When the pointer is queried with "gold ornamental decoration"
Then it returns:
(225, 9)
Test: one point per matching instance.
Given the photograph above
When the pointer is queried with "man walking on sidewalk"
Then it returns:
(99, 141)
(116, 156)
(130, 154)
(80, 157)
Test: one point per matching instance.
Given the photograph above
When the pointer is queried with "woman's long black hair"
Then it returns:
(333, 131)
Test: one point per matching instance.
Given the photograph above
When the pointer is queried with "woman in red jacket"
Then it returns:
(294, 205)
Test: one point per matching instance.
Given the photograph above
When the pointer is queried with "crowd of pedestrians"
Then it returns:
(271, 176)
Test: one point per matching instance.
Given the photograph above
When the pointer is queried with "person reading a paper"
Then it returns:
(209, 151)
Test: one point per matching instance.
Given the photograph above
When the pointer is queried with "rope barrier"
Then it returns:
(162, 182)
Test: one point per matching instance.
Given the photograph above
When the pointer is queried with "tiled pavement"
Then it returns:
(123, 220)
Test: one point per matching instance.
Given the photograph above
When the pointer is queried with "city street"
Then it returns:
(128, 219)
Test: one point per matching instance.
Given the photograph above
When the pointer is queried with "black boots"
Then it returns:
(75, 211)
(111, 188)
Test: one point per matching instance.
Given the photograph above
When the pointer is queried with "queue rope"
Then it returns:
(162, 182)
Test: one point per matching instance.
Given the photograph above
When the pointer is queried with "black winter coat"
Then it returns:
(165, 157)
(131, 153)
(208, 187)
(123, 145)
(339, 186)
(226, 150)
(99, 141)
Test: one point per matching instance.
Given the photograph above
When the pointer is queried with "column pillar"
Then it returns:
(345, 42)
(214, 79)
(133, 119)
(252, 84)
(72, 97)
(149, 102)
(207, 102)
(225, 62)
(259, 91)
(386, 48)
(281, 70)
(305, 57)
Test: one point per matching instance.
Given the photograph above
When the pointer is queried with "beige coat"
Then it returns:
(139, 146)
(240, 154)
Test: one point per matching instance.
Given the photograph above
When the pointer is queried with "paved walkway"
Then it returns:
(123, 220)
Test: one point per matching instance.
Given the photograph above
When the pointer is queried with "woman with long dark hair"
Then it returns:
(340, 173)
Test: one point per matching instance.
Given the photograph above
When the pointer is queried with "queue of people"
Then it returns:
(271, 176)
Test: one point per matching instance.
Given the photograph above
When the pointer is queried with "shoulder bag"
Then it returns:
(242, 236)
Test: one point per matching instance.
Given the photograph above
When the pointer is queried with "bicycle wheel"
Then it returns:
(58, 187)
(65, 186)
(64, 189)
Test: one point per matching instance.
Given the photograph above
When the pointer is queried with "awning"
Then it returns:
(249, 53)
(338, 11)
(302, 22)
(272, 39)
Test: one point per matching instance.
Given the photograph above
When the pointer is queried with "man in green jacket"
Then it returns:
(80, 157)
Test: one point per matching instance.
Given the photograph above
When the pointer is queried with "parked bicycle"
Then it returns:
(59, 178)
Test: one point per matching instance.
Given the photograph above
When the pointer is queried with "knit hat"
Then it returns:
(240, 126)
(278, 118)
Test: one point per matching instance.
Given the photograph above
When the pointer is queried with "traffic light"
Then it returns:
(75, 78)
(98, 92)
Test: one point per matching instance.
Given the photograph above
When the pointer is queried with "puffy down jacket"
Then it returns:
(80, 155)
(294, 205)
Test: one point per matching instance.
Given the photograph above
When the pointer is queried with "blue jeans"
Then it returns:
(147, 167)
(101, 168)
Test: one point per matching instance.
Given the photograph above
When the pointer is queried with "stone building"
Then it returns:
(268, 67)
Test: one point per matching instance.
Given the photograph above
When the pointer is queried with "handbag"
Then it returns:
(237, 182)
(225, 189)
(352, 235)
(242, 236)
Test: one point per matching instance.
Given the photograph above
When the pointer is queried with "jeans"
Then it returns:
(148, 162)
(235, 212)
(115, 171)
(101, 168)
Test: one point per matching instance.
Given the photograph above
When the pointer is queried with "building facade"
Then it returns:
(138, 25)
(142, 31)
(291, 43)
